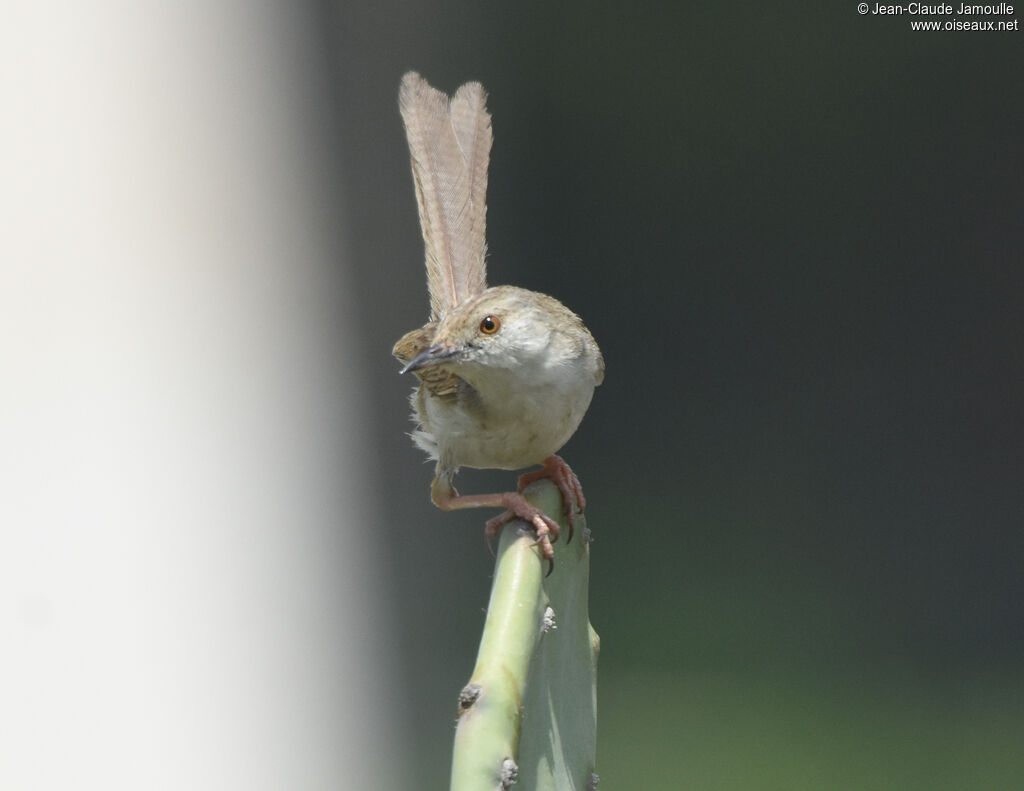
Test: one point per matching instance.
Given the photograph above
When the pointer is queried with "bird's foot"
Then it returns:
(555, 468)
(520, 508)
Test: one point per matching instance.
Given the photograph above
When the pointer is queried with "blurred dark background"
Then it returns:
(796, 233)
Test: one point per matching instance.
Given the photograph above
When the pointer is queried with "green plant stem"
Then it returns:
(529, 711)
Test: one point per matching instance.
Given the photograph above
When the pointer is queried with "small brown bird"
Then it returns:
(505, 374)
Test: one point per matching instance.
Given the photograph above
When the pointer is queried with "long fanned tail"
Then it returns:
(450, 146)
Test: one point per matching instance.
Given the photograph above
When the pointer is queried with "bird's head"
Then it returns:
(502, 328)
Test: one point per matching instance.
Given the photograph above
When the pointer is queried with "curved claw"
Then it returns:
(555, 468)
(546, 537)
(519, 508)
(446, 498)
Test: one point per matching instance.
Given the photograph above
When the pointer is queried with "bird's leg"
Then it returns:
(555, 468)
(446, 498)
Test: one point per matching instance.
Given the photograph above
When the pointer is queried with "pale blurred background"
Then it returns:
(191, 594)
(797, 236)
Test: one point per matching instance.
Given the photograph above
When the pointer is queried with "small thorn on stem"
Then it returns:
(467, 697)
(509, 774)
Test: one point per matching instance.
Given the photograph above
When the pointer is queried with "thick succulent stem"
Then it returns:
(529, 712)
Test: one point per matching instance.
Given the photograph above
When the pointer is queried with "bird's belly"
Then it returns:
(503, 448)
(523, 431)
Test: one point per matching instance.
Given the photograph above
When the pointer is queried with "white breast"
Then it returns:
(511, 419)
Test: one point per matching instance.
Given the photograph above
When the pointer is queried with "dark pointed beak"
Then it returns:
(431, 356)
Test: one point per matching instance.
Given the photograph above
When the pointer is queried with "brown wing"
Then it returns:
(441, 384)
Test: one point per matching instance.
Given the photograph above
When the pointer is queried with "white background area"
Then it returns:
(187, 588)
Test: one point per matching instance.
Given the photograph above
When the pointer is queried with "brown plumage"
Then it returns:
(505, 374)
(450, 147)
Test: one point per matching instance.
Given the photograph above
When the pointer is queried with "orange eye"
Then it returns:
(489, 325)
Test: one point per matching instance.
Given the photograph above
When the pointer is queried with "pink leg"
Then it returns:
(565, 479)
(519, 507)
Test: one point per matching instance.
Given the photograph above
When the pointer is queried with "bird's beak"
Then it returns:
(431, 356)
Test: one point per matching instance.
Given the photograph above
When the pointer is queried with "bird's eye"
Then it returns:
(489, 325)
